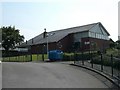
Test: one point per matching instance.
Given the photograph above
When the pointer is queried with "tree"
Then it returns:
(112, 44)
(118, 44)
(10, 37)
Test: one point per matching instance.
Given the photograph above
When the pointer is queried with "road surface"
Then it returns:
(0, 75)
(46, 75)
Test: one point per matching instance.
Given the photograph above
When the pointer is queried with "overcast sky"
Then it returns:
(32, 16)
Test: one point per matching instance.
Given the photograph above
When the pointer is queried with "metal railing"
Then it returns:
(25, 58)
(108, 65)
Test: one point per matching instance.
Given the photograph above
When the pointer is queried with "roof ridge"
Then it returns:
(74, 27)
(61, 31)
(66, 29)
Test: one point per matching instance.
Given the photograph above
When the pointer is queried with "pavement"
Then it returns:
(0, 75)
(47, 75)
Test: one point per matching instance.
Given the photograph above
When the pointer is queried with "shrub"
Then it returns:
(68, 57)
(77, 56)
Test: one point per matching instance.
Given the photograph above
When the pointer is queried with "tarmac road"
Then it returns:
(0, 75)
(46, 75)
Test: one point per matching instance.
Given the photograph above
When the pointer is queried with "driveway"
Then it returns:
(46, 75)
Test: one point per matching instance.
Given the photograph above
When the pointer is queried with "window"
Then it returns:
(91, 34)
(99, 36)
(84, 34)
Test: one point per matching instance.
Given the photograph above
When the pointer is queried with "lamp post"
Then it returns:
(47, 44)
(46, 36)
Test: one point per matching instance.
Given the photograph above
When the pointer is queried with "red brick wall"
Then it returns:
(64, 44)
(36, 48)
(100, 44)
(67, 43)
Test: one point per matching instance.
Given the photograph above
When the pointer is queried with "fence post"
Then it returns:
(26, 58)
(112, 65)
(101, 62)
(37, 56)
(31, 56)
(91, 60)
(23, 58)
(43, 56)
(82, 58)
(74, 57)
(9, 58)
(2, 58)
(16, 58)
(30, 53)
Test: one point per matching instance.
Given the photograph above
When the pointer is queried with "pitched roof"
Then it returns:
(55, 36)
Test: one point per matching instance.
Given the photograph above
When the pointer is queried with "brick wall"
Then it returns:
(97, 44)
(64, 44)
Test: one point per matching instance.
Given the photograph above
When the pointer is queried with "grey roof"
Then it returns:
(55, 36)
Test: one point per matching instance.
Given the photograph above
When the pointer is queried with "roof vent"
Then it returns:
(52, 34)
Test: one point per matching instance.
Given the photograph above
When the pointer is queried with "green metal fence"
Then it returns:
(25, 58)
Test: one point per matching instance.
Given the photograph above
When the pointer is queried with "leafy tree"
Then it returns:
(10, 37)
(118, 44)
(112, 44)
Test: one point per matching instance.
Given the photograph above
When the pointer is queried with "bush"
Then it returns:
(68, 57)
(116, 65)
(77, 56)
(106, 61)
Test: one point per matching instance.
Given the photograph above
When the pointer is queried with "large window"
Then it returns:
(84, 34)
(78, 36)
(91, 34)
(99, 36)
